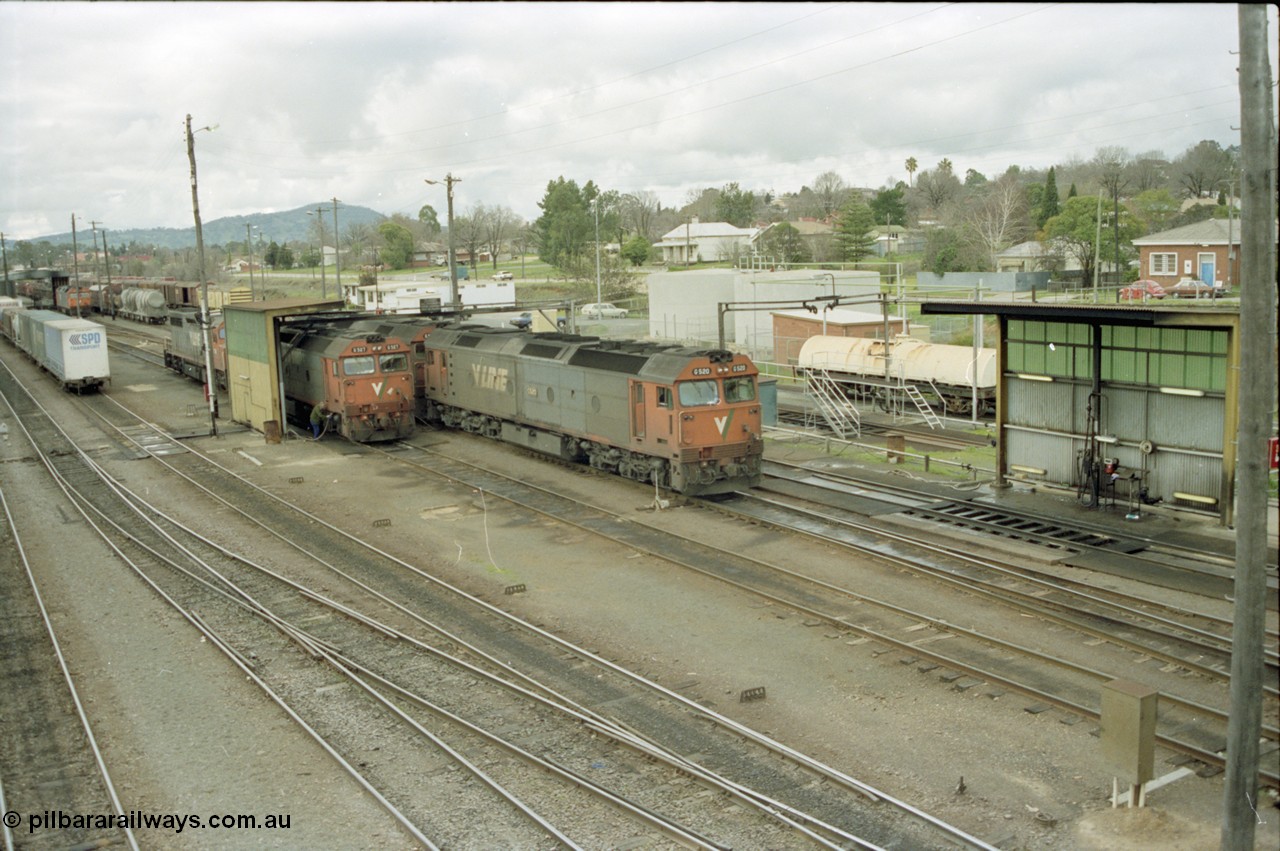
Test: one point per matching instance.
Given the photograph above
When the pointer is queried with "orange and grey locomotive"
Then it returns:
(362, 382)
(687, 419)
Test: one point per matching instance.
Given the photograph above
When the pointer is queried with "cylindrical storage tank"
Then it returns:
(851, 355)
(142, 301)
(918, 361)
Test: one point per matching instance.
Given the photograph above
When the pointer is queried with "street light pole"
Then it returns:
(449, 180)
(248, 245)
(210, 383)
(337, 252)
(595, 204)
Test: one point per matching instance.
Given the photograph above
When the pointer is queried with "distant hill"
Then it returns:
(288, 226)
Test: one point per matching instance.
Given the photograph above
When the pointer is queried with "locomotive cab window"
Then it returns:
(739, 389)
(664, 397)
(394, 363)
(363, 365)
(697, 393)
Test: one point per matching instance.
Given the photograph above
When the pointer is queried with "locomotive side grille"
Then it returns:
(611, 361)
(542, 350)
(720, 452)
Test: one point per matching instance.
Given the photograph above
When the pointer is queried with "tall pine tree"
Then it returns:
(854, 231)
(1049, 206)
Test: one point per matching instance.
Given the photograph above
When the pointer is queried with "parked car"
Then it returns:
(1190, 288)
(524, 321)
(602, 311)
(1141, 291)
(503, 276)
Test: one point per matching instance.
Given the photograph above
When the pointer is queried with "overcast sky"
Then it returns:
(363, 101)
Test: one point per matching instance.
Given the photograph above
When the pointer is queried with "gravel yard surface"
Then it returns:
(185, 732)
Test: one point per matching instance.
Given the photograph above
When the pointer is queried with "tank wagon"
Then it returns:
(184, 352)
(74, 351)
(688, 419)
(363, 380)
(143, 305)
(945, 375)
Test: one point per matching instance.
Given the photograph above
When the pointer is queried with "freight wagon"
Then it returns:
(947, 376)
(74, 351)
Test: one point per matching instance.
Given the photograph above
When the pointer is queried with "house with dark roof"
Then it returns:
(1207, 251)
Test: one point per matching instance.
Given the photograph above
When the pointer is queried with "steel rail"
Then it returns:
(69, 489)
(98, 758)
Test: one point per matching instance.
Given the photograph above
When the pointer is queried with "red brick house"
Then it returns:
(1198, 251)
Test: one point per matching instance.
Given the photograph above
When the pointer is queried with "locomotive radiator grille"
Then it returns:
(721, 452)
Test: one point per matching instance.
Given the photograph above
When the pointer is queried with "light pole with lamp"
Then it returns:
(595, 206)
(210, 384)
(248, 244)
(449, 180)
(818, 277)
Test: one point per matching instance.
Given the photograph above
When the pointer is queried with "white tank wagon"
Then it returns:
(143, 305)
(945, 375)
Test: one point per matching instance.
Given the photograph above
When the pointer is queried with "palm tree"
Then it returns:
(912, 165)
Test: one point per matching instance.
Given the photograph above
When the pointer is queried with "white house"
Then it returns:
(403, 296)
(707, 242)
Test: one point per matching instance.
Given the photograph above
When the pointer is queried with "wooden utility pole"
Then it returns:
(210, 380)
(337, 252)
(1257, 397)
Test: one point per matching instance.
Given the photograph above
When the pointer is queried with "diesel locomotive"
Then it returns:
(361, 381)
(686, 419)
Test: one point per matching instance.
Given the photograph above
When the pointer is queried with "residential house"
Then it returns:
(705, 242)
(1207, 251)
(816, 235)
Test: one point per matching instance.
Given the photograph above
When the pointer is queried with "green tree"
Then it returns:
(1155, 208)
(1049, 204)
(854, 230)
(784, 242)
(397, 244)
(912, 165)
(427, 215)
(566, 225)
(1075, 230)
(889, 207)
(736, 205)
(636, 250)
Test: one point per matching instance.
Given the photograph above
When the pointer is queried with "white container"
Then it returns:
(76, 353)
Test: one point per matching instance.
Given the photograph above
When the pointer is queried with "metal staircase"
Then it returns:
(838, 412)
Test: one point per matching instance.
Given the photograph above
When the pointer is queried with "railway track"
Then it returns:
(219, 591)
(49, 757)
(1096, 631)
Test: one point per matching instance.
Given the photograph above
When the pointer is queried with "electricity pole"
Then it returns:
(337, 252)
(1240, 802)
(324, 287)
(75, 264)
(210, 381)
(449, 180)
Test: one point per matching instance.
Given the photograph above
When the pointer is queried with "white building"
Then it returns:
(708, 242)
(685, 306)
(401, 296)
